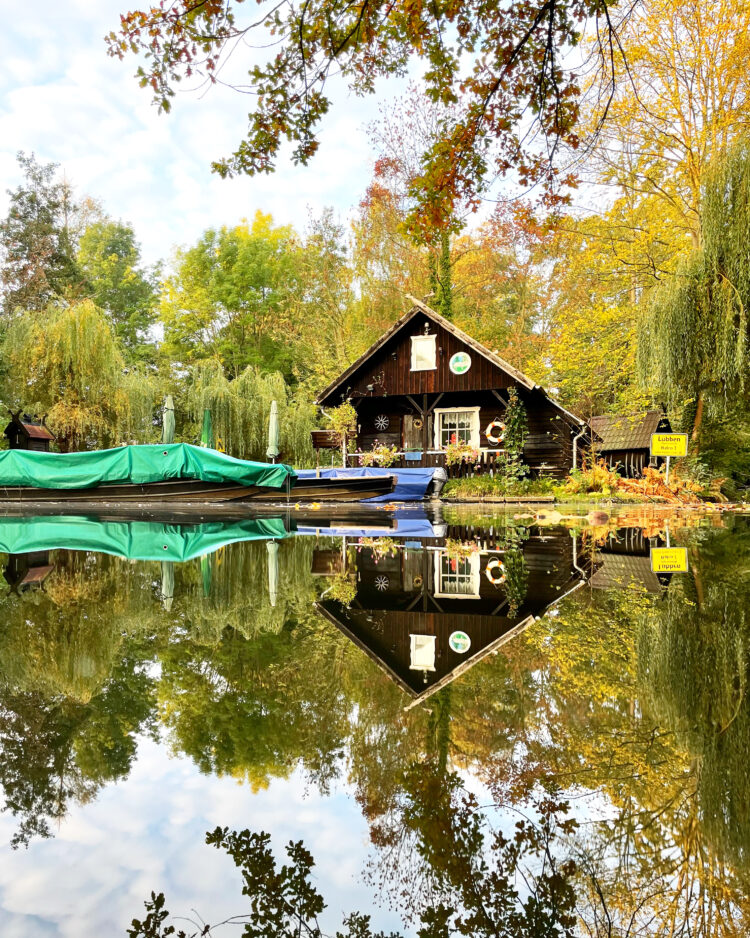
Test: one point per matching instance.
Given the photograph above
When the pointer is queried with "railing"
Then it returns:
(434, 458)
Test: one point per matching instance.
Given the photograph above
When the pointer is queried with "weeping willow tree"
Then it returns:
(239, 595)
(62, 641)
(240, 409)
(65, 362)
(693, 340)
(694, 674)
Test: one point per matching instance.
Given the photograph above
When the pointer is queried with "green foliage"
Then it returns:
(694, 338)
(225, 297)
(109, 258)
(516, 579)
(596, 477)
(37, 239)
(500, 485)
(343, 422)
(65, 361)
(240, 410)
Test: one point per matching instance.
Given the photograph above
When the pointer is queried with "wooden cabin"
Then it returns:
(426, 383)
(425, 616)
(25, 572)
(624, 443)
(25, 433)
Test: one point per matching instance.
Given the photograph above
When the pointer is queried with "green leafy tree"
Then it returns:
(226, 295)
(695, 337)
(109, 258)
(240, 409)
(65, 361)
(37, 239)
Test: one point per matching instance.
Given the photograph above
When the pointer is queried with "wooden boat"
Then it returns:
(196, 491)
(168, 474)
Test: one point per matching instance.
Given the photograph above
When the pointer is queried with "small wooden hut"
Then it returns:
(28, 571)
(426, 383)
(25, 433)
(624, 443)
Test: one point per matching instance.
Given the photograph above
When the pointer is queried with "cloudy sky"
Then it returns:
(147, 833)
(63, 98)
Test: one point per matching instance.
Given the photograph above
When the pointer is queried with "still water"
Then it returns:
(396, 691)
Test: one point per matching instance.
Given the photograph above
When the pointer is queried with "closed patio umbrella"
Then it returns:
(167, 423)
(207, 433)
(272, 452)
(273, 571)
(167, 581)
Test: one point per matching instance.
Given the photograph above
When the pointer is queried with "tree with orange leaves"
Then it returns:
(501, 63)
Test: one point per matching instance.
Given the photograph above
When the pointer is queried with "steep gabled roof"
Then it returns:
(419, 307)
(632, 431)
(338, 617)
(33, 429)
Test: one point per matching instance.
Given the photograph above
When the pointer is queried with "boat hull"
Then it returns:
(194, 491)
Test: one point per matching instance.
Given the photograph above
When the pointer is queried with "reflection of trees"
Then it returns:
(73, 689)
(229, 589)
(256, 707)
(636, 697)
(694, 664)
(640, 699)
(621, 694)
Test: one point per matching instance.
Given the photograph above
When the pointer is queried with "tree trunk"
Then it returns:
(446, 283)
(697, 421)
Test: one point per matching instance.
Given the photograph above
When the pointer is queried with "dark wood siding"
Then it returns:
(389, 369)
(549, 444)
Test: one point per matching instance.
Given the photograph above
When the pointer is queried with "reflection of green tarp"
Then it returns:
(136, 464)
(135, 540)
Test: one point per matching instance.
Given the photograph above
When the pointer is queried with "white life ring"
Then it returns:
(495, 572)
(495, 431)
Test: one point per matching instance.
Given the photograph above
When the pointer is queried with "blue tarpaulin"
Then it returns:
(404, 523)
(411, 484)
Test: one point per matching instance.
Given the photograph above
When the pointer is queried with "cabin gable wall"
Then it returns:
(389, 369)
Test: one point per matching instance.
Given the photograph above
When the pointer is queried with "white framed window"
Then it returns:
(422, 652)
(423, 352)
(456, 577)
(456, 425)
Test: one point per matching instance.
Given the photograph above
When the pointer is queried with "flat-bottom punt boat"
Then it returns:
(197, 491)
(168, 474)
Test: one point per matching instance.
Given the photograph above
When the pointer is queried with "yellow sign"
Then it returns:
(669, 559)
(669, 444)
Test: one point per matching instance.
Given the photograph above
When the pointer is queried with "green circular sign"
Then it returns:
(459, 642)
(460, 363)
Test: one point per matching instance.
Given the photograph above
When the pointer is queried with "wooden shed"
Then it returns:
(25, 433)
(28, 571)
(426, 383)
(625, 442)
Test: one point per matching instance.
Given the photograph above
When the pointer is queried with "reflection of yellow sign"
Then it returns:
(669, 444)
(669, 559)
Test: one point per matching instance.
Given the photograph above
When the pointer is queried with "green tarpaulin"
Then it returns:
(136, 464)
(134, 540)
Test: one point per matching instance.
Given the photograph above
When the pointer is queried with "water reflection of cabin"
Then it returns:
(624, 560)
(425, 382)
(28, 571)
(410, 602)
